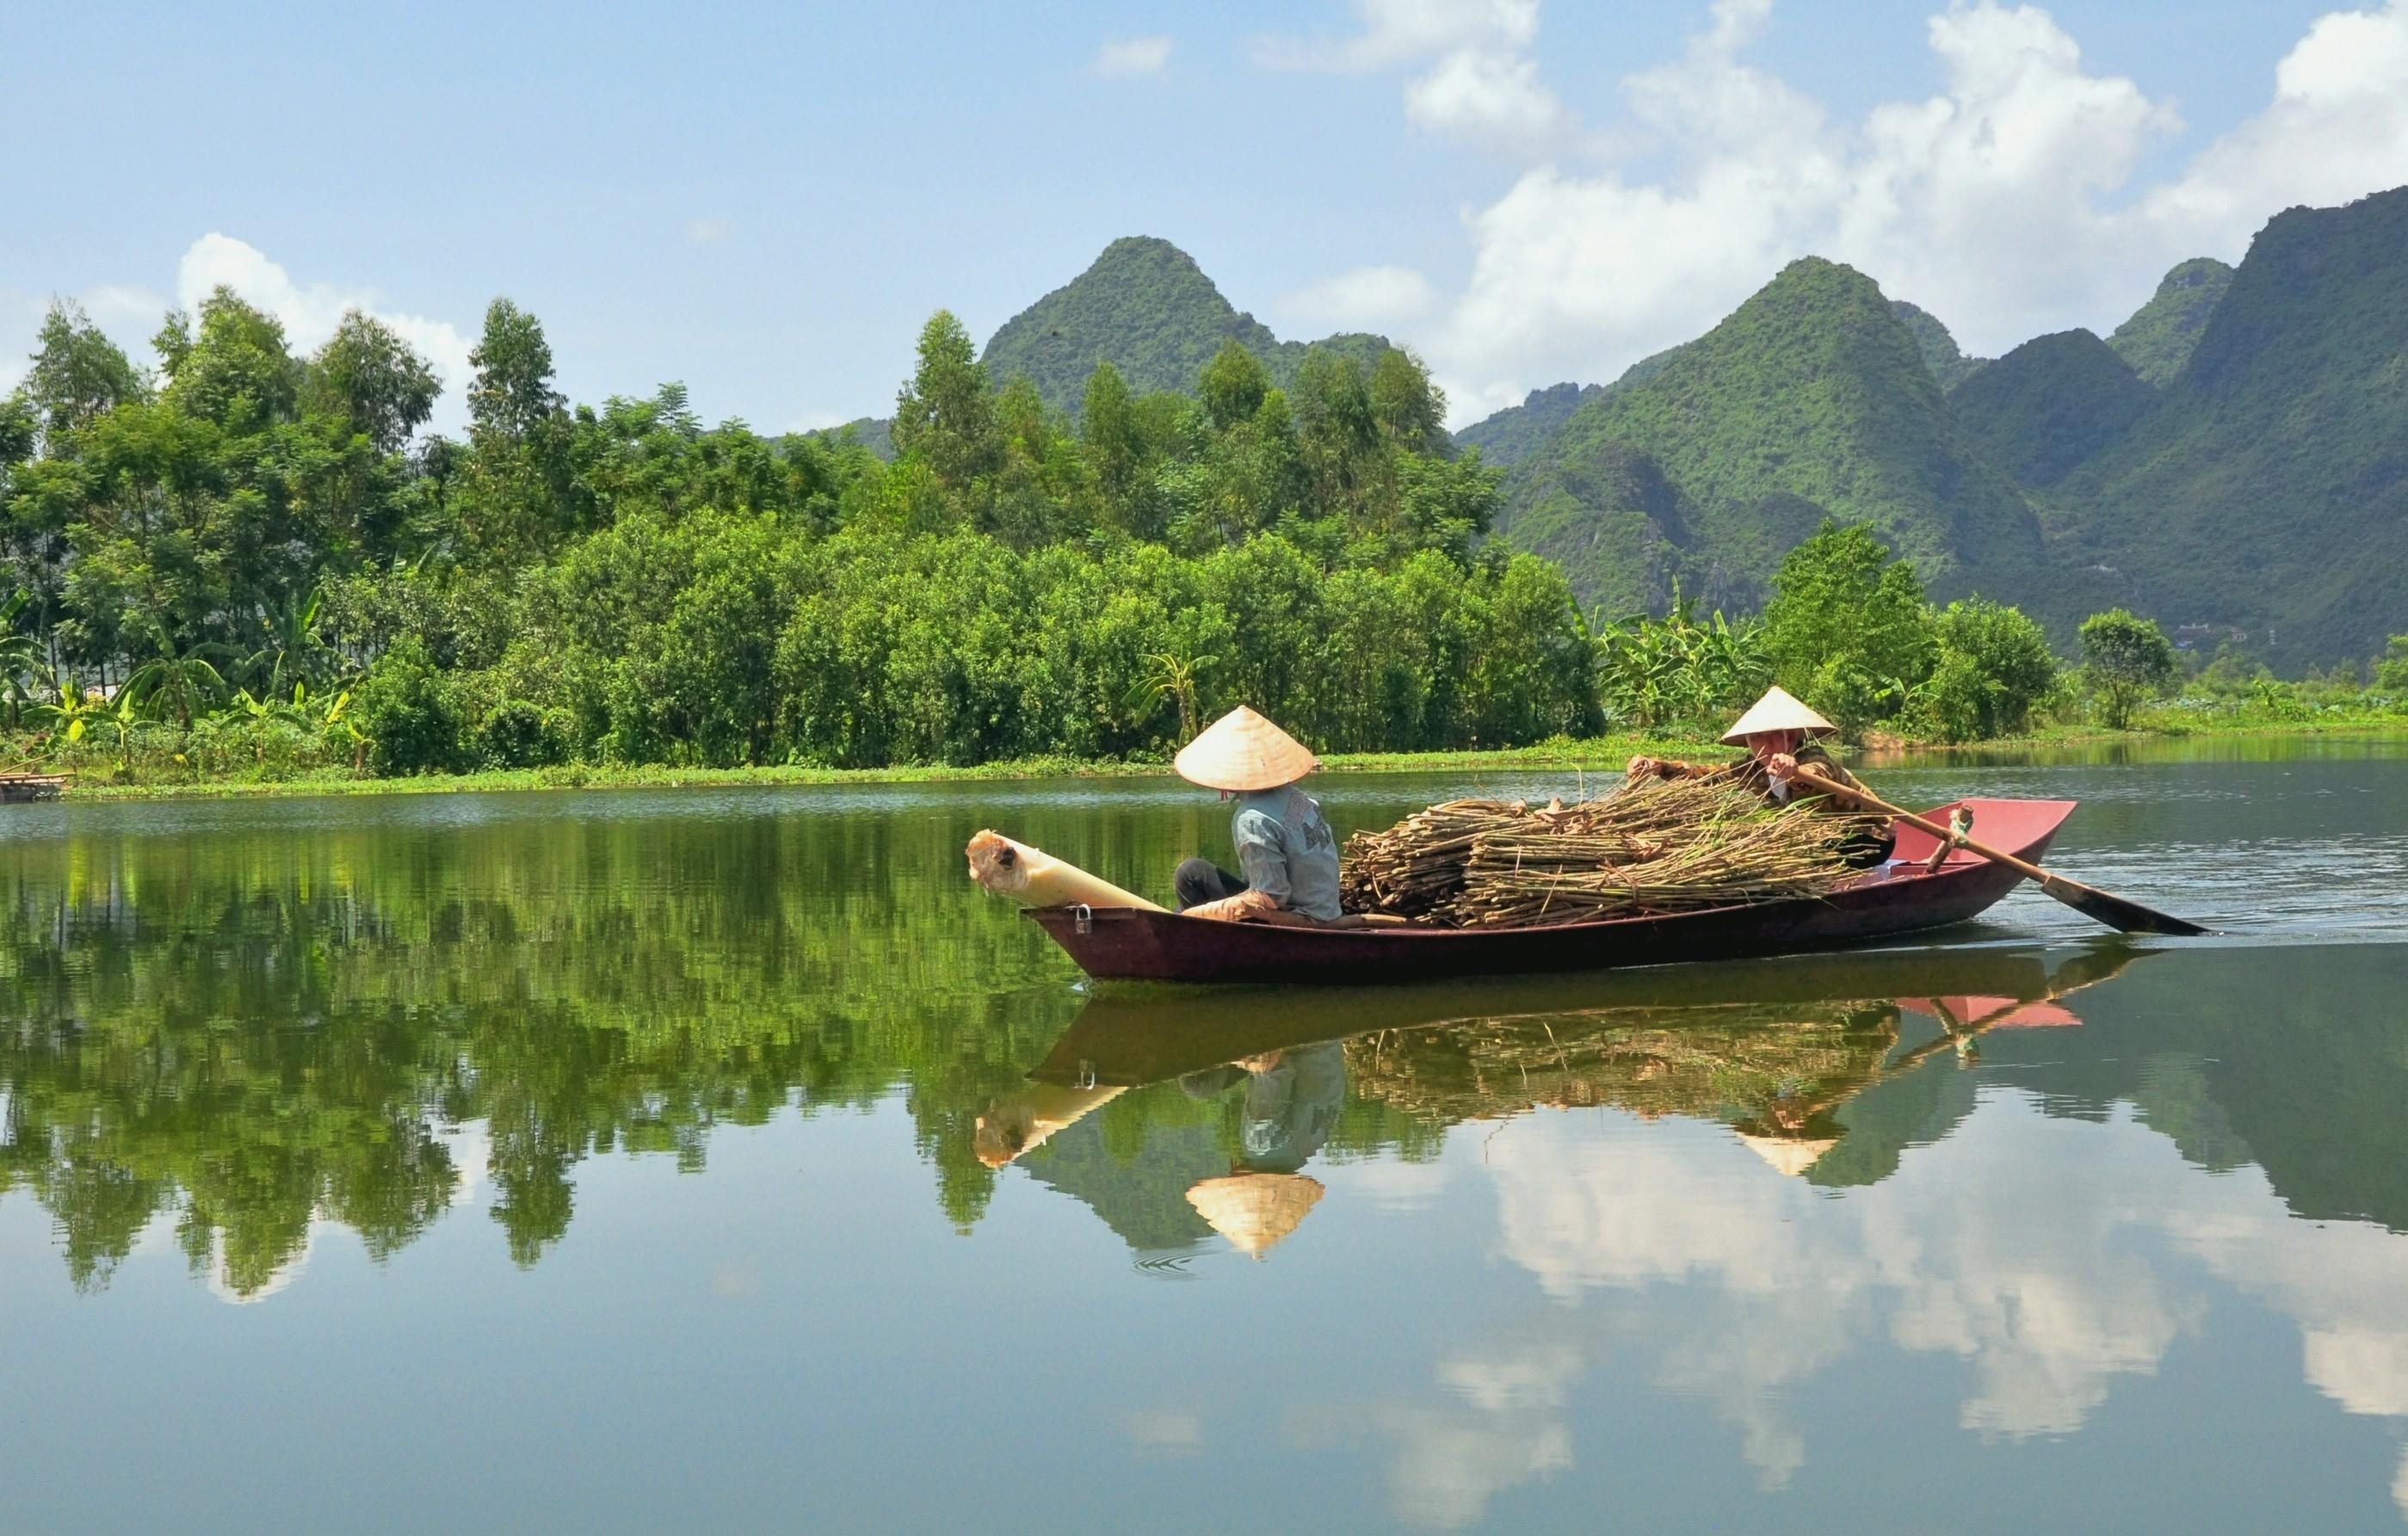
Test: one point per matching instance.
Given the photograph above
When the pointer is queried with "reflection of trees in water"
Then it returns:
(257, 1032)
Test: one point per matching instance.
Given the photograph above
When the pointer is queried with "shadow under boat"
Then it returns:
(1127, 1039)
(1800, 1057)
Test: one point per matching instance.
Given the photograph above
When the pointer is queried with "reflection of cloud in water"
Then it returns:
(2046, 1253)
(2400, 1483)
(1166, 1432)
(1391, 1183)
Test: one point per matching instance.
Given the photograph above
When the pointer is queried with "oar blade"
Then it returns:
(2119, 913)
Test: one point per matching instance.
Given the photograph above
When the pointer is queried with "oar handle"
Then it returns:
(1872, 802)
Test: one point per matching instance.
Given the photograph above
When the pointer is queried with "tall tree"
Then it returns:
(232, 367)
(1233, 385)
(77, 373)
(946, 414)
(368, 376)
(1411, 410)
(511, 396)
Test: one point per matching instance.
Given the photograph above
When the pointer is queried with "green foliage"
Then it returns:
(2126, 661)
(1847, 629)
(1675, 671)
(2391, 668)
(1812, 399)
(2266, 492)
(407, 713)
(367, 376)
(1948, 366)
(945, 417)
(2160, 335)
(78, 374)
(1513, 433)
(1994, 669)
(2049, 405)
(1145, 308)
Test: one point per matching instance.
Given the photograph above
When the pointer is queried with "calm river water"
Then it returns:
(715, 1161)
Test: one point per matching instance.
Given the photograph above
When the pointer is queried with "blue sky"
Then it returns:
(766, 203)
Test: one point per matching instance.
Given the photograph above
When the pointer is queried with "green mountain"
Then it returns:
(1811, 398)
(2051, 404)
(1146, 307)
(1516, 432)
(1949, 366)
(2268, 489)
(2158, 338)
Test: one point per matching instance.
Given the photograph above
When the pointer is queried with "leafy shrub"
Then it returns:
(407, 711)
(2126, 661)
(518, 734)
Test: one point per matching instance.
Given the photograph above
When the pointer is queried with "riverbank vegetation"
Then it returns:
(250, 569)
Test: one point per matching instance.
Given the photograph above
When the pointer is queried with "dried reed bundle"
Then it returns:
(1658, 846)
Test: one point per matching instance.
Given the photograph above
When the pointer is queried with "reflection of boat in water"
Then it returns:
(1130, 943)
(1784, 1052)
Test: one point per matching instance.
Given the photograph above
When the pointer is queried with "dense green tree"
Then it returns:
(2126, 661)
(367, 376)
(1994, 668)
(945, 416)
(78, 374)
(1409, 408)
(511, 396)
(231, 369)
(1233, 386)
(1847, 630)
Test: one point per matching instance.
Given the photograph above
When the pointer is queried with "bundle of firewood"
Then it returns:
(1658, 846)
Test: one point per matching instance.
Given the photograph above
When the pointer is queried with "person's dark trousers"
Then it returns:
(1200, 880)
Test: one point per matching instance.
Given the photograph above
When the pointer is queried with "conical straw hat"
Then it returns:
(1241, 750)
(1787, 1157)
(1254, 1210)
(1777, 711)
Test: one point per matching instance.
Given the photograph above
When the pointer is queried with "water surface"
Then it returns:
(707, 1158)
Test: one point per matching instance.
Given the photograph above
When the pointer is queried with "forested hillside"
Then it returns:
(1149, 310)
(2158, 338)
(1812, 399)
(1949, 366)
(2049, 405)
(2268, 490)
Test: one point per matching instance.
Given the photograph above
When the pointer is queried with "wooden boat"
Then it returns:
(31, 786)
(1116, 943)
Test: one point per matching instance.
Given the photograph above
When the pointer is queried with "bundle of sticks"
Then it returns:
(1658, 846)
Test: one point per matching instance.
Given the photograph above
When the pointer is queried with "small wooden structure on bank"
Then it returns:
(32, 786)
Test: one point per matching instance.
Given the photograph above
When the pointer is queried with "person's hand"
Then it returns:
(1224, 910)
(1640, 767)
(1781, 766)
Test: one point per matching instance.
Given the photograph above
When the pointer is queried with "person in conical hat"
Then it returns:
(1287, 856)
(1781, 734)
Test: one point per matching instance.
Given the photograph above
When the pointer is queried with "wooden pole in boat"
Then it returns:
(2101, 906)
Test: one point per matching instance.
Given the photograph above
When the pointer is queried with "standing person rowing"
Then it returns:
(1286, 853)
(1780, 735)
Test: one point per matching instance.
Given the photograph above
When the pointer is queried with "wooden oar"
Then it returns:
(2114, 911)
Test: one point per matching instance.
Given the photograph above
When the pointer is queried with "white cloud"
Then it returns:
(1479, 84)
(310, 314)
(1133, 56)
(710, 231)
(1402, 32)
(2007, 203)
(1366, 299)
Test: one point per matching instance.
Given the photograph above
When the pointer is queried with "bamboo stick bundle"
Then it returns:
(1660, 846)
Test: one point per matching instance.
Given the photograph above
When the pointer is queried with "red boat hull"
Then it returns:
(1116, 943)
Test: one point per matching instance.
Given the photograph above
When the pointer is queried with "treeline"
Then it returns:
(252, 563)
(1849, 629)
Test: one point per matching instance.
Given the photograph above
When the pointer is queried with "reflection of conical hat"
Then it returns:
(1786, 1156)
(1777, 711)
(1241, 750)
(1254, 1210)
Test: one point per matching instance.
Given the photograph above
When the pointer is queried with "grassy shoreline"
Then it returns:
(1605, 754)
